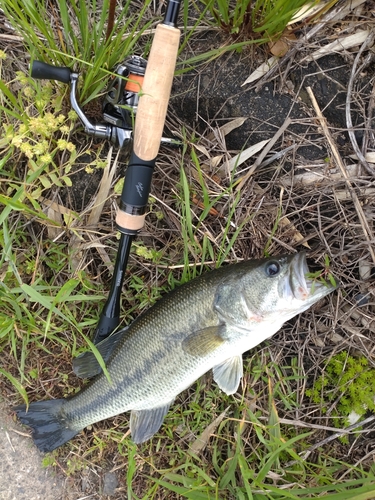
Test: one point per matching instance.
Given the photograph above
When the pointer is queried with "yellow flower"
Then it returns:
(40, 147)
(46, 158)
(72, 115)
(17, 141)
(21, 78)
(29, 92)
(22, 129)
(62, 144)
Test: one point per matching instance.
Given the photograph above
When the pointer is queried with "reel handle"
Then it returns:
(43, 71)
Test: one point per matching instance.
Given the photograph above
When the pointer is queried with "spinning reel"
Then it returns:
(120, 103)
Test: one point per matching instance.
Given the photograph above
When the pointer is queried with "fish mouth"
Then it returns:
(299, 286)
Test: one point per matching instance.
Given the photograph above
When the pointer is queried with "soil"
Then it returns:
(22, 476)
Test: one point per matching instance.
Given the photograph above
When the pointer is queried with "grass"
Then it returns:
(71, 34)
(263, 19)
(54, 276)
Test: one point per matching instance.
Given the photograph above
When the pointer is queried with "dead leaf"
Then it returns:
(227, 127)
(214, 162)
(369, 156)
(320, 175)
(281, 47)
(237, 160)
(232, 125)
(201, 442)
(261, 70)
(54, 231)
(201, 205)
(103, 193)
(296, 235)
(202, 149)
(339, 45)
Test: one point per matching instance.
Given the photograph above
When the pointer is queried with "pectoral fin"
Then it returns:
(86, 365)
(144, 423)
(205, 341)
(228, 374)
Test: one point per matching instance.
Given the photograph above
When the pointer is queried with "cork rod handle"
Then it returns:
(156, 90)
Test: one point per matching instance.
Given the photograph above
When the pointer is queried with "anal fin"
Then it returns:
(228, 374)
(144, 423)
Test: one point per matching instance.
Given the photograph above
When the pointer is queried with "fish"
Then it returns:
(206, 323)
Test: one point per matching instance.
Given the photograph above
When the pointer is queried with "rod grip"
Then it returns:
(156, 90)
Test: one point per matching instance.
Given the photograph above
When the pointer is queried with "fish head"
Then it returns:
(280, 287)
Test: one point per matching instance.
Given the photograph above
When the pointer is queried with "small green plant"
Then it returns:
(323, 276)
(262, 19)
(36, 141)
(348, 380)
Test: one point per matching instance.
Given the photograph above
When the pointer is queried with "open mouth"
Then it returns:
(299, 286)
(297, 277)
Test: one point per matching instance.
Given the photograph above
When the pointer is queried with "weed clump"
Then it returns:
(348, 384)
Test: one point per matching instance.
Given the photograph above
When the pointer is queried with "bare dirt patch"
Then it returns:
(22, 476)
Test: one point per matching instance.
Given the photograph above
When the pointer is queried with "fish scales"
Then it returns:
(206, 323)
(150, 354)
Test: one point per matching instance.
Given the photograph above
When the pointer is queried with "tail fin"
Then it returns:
(50, 429)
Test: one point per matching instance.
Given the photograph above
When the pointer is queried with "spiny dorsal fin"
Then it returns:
(87, 366)
(228, 374)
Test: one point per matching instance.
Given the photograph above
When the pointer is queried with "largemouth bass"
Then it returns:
(206, 323)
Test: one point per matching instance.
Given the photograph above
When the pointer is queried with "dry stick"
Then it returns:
(111, 18)
(338, 434)
(349, 122)
(365, 227)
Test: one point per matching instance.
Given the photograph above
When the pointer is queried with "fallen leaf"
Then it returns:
(343, 43)
(201, 442)
(281, 47)
(296, 235)
(261, 70)
(237, 160)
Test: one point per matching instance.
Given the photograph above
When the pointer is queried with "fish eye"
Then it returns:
(272, 268)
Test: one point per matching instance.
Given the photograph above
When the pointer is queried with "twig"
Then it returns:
(334, 436)
(111, 18)
(368, 121)
(349, 122)
(362, 218)
(338, 434)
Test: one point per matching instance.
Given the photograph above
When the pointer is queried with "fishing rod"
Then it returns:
(145, 91)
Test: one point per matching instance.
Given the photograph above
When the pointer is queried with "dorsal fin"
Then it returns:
(86, 364)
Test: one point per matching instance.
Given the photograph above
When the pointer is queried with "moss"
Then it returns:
(349, 384)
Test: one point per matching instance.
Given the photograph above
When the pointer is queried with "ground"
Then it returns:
(317, 212)
(21, 473)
